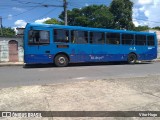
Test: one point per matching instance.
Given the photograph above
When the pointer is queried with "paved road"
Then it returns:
(11, 76)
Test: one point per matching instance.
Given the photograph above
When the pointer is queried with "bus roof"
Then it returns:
(85, 28)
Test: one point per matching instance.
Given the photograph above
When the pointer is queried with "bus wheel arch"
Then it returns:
(61, 59)
(132, 58)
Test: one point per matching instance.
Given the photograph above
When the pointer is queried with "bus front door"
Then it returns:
(38, 48)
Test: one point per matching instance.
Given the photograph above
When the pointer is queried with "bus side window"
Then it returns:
(73, 39)
(127, 39)
(79, 37)
(97, 38)
(140, 40)
(33, 37)
(38, 37)
(44, 37)
(30, 37)
(113, 38)
(61, 35)
(151, 41)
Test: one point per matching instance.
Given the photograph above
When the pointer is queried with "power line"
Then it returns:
(6, 6)
(34, 7)
(22, 12)
(47, 5)
(44, 14)
(31, 4)
(28, 2)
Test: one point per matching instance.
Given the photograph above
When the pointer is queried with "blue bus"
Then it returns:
(61, 45)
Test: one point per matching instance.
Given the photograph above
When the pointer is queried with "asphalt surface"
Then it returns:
(110, 94)
(12, 76)
(98, 87)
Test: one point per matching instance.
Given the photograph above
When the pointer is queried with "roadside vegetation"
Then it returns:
(7, 32)
(118, 15)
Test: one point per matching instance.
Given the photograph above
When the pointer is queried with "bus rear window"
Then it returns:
(151, 41)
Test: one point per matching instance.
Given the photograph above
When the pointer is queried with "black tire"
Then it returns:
(132, 58)
(61, 60)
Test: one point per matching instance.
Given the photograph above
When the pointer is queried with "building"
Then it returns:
(158, 38)
(11, 49)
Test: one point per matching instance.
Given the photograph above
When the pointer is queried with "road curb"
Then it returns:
(156, 60)
(12, 64)
(22, 64)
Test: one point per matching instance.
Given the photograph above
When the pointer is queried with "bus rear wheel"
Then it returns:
(132, 58)
(61, 60)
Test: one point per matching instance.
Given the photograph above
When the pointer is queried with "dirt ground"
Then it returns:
(119, 94)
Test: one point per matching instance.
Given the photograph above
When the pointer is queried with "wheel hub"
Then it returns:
(61, 60)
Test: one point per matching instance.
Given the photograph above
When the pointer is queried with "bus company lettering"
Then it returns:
(149, 48)
(96, 57)
(134, 49)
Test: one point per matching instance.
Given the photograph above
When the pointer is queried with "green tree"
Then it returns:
(122, 12)
(141, 28)
(90, 16)
(53, 21)
(156, 28)
(8, 32)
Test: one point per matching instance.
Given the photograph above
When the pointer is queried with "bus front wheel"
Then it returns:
(132, 58)
(61, 60)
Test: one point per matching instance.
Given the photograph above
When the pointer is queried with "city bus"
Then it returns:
(61, 45)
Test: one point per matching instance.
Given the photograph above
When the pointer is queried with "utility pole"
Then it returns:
(65, 11)
(1, 26)
(64, 6)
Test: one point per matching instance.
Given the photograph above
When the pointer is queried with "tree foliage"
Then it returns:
(117, 16)
(7, 32)
(157, 28)
(90, 16)
(53, 21)
(122, 12)
(141, 28)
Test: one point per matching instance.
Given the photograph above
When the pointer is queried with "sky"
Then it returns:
(16, 13)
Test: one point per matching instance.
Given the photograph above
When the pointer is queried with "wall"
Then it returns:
(158, 37)
(4, 49)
